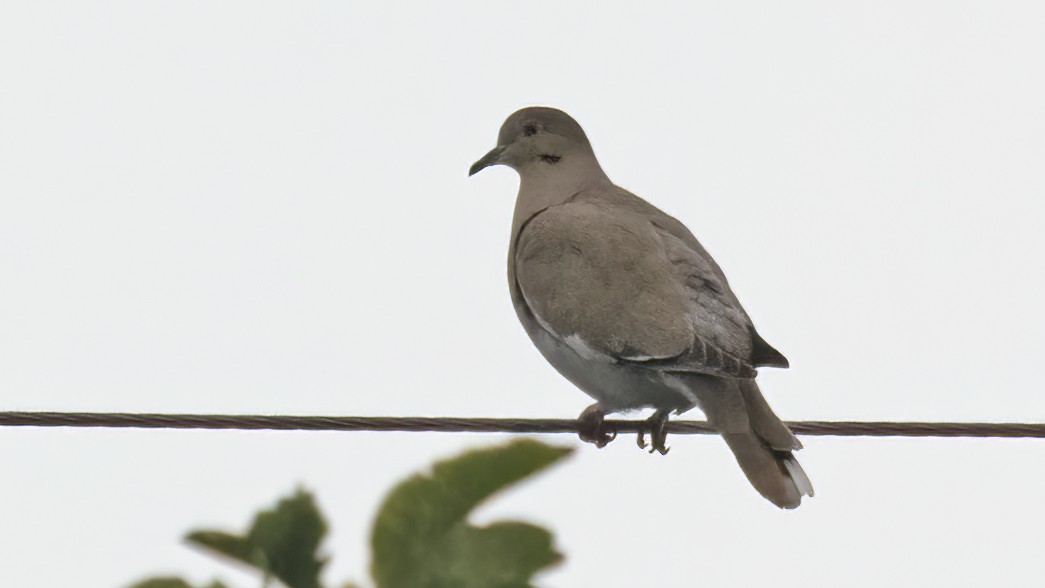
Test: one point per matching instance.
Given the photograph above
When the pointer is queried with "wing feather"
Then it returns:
(631, 289)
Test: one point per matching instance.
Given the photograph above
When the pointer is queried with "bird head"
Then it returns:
(538, 140)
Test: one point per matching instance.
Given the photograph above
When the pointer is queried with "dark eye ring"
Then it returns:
(529, 129)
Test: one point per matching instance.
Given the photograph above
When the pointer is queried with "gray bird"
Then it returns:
(625, 303)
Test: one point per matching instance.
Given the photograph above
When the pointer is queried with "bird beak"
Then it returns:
(491, 158)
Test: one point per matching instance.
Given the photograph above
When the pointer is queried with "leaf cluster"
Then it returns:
(421, 536)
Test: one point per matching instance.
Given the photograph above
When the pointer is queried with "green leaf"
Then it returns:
(172, 583)
(162, 583)
(281, 542)
(421, 537)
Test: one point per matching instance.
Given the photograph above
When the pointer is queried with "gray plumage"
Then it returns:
(623, 300)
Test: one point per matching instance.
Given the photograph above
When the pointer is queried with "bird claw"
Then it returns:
(592, 429)
(658, 433)
(603, 438)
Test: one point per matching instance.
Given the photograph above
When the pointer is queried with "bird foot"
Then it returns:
(658, 433)
(592, 427)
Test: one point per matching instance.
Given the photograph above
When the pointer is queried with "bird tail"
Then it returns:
(761, 442)
(776, 474)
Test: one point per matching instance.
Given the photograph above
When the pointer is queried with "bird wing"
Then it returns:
(616, 282)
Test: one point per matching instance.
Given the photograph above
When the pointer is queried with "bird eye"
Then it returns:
(529, 129)
(551, 158)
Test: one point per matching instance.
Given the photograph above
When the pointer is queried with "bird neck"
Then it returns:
(545, 186)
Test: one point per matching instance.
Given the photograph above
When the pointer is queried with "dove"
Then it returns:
(622, 300)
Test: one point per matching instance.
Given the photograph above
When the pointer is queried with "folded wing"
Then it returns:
(621, 283)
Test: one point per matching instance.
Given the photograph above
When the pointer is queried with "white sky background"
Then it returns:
(227, 207)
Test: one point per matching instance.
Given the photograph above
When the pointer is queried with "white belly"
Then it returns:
(616, 386)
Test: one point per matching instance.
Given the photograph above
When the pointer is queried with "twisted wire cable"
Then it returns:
(492, 425)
